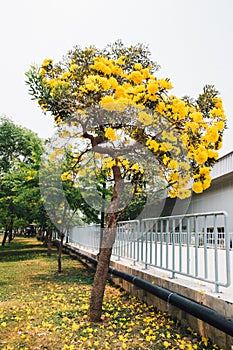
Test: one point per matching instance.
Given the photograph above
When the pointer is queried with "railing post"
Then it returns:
(196, 245)
(216, 254)
(227, 245)
(146, 250)
(205, 247)
(173, 247)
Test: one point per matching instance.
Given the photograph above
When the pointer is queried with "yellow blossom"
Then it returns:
(145, 118)
(191, 125)
(165, 159)
(110, 134)
(145, 73)
(120, 92)
(160, 108)
(43, 71)
(152, 87)
(206, 182)
(197, 187)
(173, 164)
(166, 146)
(197, 117)
(204, 340)
(47, 62)
(117, 70)
(213, 133)
(179, 109)
(107, 102)
(65, 75)
(218, 102)
(113, 82)
(121, 60)
(135, 167)
(66, 176)
(108, 163)
(101, 66)
(166, 344)
(75, 326)
(136, 77)
(165, 84)
(201, 156)
(138, 66)
(182, 194)
(90, 83)
(105, 83)
(152, 144)
(73, 67)
(204, 170)
(220, 125)
(212, 154)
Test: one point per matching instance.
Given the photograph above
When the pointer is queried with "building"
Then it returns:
(218, 197)
(220, 194)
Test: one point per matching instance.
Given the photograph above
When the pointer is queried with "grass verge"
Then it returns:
(41, 309)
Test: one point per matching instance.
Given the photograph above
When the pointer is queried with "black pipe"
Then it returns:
(201, 312)
(204, 313)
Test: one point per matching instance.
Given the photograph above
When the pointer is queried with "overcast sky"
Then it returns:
(192, 40)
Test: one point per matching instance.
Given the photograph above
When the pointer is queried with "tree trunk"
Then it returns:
(60, 253)
(10, 234)
(97, 294)
(5, 236)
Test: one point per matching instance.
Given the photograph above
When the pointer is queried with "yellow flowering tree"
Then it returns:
(125, 119)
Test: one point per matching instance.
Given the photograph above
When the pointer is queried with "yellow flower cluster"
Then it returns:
(66, 176)
(173, 107)
(46, 65)
(114, 86)
(110, 134)
(110, 79)
(145, 118)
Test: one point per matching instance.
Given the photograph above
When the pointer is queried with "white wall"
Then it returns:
(217, 198)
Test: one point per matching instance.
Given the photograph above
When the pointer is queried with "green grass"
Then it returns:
(41, 309)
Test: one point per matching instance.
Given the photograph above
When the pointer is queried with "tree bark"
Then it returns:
(5, 236)
(10, 234)
(97, 294)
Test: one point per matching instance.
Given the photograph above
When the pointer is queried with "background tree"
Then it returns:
(62, 200)
(20, 152)
(123, 117)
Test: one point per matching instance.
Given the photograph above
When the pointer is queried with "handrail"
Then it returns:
(191, 245)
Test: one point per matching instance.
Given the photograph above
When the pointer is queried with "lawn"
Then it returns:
(41, 309)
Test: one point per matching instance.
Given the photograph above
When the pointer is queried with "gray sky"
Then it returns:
(192, 40)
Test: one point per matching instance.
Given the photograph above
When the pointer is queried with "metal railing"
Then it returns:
(181, 245)
(192, 245)
(87, 237)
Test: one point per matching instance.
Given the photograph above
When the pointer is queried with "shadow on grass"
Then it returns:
(21, 249)
(69, 275)
(21, 255)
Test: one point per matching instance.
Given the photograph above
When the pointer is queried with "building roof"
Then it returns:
(223, 166)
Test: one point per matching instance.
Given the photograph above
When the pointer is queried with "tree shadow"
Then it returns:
(21, 249)
(79, 275)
